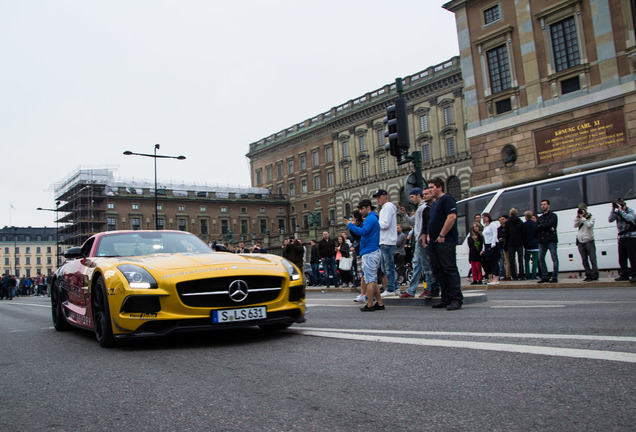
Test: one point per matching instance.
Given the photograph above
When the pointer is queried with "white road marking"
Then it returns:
(486, 346)
(46, 305)
(527, 306)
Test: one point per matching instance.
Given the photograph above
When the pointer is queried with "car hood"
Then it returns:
(181, 261)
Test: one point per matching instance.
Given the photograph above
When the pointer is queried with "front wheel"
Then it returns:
(57, 308)
(101, 314)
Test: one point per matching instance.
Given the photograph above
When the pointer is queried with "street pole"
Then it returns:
(155, 156)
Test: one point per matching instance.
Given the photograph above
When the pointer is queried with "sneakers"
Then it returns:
(406, 295)
(376, 306)
(388, 294)
(477, 282)
(453, 306)
(361, 299)
(543, 281)
(440, 306)
(425, 294)
(621, 278)
(366, 308)
(554, 280)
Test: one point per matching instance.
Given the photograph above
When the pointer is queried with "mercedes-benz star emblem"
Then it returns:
(238, 290)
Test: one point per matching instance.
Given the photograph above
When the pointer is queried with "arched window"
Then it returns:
(347, 210)
(454, 187)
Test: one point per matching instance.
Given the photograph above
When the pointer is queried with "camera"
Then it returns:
(618, 203)
(581, 212)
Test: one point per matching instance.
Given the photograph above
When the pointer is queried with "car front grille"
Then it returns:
(215, 292)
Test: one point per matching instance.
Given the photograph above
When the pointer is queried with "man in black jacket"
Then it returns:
(327, 251)
(547, 236)
(515, 244)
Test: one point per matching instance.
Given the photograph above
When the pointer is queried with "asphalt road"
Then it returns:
(525, 360)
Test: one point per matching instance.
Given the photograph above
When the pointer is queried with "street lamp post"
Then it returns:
(155, 156)
(57, 230)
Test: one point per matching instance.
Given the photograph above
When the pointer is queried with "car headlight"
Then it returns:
(292, 270)
(138, 277)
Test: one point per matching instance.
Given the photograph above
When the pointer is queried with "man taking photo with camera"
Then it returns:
(626, 225)
(584, 221)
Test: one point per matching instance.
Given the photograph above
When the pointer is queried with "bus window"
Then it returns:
(466, 210)
(521, 199)
(605, 186)
(564, 194)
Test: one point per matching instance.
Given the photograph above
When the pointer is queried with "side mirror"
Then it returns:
(73, 253)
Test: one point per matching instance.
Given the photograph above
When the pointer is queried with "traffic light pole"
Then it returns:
(403, 133)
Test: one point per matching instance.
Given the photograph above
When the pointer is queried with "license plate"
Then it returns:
(244, 314)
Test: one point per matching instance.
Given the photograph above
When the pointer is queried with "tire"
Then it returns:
(409, 274)
(101, 314)
(274, 327)
(57, 309)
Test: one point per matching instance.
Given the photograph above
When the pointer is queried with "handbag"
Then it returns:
(345, 263)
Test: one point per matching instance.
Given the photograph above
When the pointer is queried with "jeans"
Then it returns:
(388, 266)
(588, 257)
(422, 264)
(627, 250)
(543, 268)
(444, 264)
(534, 256)
(512, 251)
(315, 273)
(329, 265)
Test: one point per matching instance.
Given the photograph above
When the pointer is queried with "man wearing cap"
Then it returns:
(370, 253)
(421, 259)
(584, 221)
(388, 239)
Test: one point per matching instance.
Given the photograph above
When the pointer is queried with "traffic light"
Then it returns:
(397, 129)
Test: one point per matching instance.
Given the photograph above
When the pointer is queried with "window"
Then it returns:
(48, 249)
(303, 186)
(346, 173)
(6, 262)
(450, 146)
(345, 148)
(27, 260)
(279, 169)
(330, 179)
(135, 206)
(564, 194)
(303, 162)
(381, 138)
(565, 45)
(159, 206)
(263, 226)
(317, 183)
(426, 153)
(6, 250)
(448, 115)
(498, 68)
(17, 250)
(329, 154)
(244, 225)
(262, 210)
(454, 187)
(521, 199)
(292, 189)
(182, 223)
(223, 209)
(268, 172)
(225, 224)
(49, 261)
(160, 224)
(383, 165)
(181, 208)
(204, 226)
(38, 250)
(27, 250)
(492, 14)
(111, 206)
(314, 158)
(243, 210)
(290, 166)
(362, 140)
(281, 191)
(608, 185)
(135, 224)
(364, 170)
(259, 176)
(111, 224)
(423, 123)
(203, 209)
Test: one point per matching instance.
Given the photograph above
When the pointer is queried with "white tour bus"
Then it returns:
(597, 188)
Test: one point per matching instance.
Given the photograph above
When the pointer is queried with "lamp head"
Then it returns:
(128, 152)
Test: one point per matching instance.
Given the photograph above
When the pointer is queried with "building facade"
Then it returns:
(93, 200)
(548, 85)
(328, 163)
(27, 251)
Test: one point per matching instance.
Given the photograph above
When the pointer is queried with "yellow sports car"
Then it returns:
(126, 284)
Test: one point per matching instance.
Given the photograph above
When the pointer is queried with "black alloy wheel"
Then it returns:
(57, 308)
(101, 314)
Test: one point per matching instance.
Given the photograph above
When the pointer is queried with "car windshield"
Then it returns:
(147, 243)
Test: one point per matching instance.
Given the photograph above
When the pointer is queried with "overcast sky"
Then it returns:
(81, 81)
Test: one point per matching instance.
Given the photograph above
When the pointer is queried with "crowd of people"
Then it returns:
(12, 286)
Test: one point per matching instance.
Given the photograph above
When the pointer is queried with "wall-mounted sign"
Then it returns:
(594, 134)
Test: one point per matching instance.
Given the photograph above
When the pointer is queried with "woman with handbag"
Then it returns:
(344, 261)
